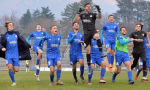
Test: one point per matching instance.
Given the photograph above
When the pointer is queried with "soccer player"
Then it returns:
(138, 49)
(88, 21)
(96, 59)
(75, 39)
(110, 30)
(121, 54)
(27, 65)
(13, 47)
(53, 54)
(38, 34)
(147, 50)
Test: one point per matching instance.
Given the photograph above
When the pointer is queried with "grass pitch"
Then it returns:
(27, 81)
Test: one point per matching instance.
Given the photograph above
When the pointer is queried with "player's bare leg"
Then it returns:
(11, 74)
(116, 73)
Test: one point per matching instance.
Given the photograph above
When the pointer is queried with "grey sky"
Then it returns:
(57, 6)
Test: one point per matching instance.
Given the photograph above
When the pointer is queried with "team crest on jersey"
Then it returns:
(114, 26)
(7, 37)
(80, 35)
(49, 39)
(91, 16)
(58, 38)
(42, 32)
(16, 36)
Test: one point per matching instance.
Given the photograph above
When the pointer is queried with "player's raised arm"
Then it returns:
(77, 17)
(28, 38)
(99, 16)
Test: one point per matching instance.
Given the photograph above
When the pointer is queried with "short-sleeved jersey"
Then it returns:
(88, 22)
(53, 43)
(38, 35)
(12, 46)
(94, 49)
(147, 49)
(76, 46)
(110, 31)
(139, 45)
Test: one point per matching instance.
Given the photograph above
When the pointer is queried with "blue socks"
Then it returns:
(52, 78)
(130, 75)
(81, 70)
(37, 71)
(90, 69)
(146, 73)
(103, 70)
(37, 62)
(58, 74)
(11, 74)
(112, 60)
(74, 74)
(109, 58)
(90, 76)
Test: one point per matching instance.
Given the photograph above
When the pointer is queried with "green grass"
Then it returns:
(27, 81)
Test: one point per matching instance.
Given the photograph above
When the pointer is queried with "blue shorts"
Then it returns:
(147, 62)
(13, 61)
(75, 58)
(110, 44)
(121, 57)
(52, 61)
(36, 48)
(96, 60)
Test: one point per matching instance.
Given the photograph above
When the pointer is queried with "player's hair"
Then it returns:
(74, 23)
(110, 15)
(52, 27)
(37, 25)
(6, 24)
(86, 4)
(137, 24)
(122, 27)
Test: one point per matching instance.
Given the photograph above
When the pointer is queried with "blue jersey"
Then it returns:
(76, 46)
(94, 49)
(38, 35)
(53, 43)
(147, 49)
(12, 46)
(110, 31)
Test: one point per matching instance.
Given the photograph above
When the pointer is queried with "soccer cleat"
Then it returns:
(37, 67)
(82, 79)
(102, 81)
(76, 81)
(144, 79)
(37, 77)
(110, 68)
(59, 83)
(131, 82)
(136, 77)
(89, 83)
(13, 84)
(113, 78)
(51, 84)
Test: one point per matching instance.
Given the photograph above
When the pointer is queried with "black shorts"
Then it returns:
(141, 55)
(88, 37)
(27, 65)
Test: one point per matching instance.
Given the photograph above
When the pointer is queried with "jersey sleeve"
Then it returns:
(121, 41)
(82, 39)
(104, 28)
(94, 15)
(70, 38)
(42, 40)
(80, 16)
(28, 38)
(131, 35)
(117, 29)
